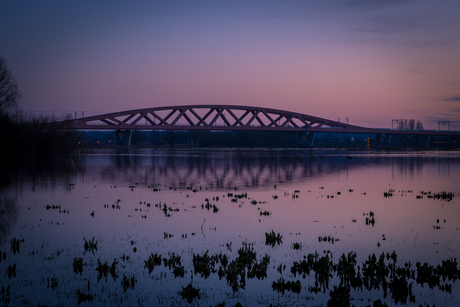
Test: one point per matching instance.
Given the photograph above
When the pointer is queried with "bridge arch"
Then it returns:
(209, 117)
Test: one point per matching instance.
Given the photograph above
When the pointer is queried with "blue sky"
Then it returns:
(370, 61)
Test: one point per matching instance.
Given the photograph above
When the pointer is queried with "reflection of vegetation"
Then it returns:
(6, 298)
(78, 265)
(84, 297)
(389, 193)
(340, 296)
(189, 293)
(376, 273)
(11, 271)
(265, 213)
(281, 286)
(128, 282)
(104, 269)
(2, 256)
(90, 245)
(8, 212)
(15, 243)
(208, 206)
(152, 262)
(370, 219)
(328, 239)
(204, 265)
(272, 239)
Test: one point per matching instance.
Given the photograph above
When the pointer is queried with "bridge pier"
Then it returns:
(423, 140)
(123, 137)
(383, 140)
(308, 138)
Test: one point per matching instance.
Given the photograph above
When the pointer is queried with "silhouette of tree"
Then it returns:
(9, 91)
(410, 124)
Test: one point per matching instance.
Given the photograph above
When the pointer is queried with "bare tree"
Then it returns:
(410, 124)
(9, 91)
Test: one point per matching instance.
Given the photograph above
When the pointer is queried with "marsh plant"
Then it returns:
(78, 265)
(273, 239)
(152, 262)
(128, 282)
(83, 297)
(281, 286)
(90, 245)
(189, 293)
(104, 269)
(15, 244)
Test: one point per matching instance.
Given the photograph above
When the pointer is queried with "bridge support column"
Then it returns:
(383, 140)
(123, 137)
(308, 138)
(423, 140)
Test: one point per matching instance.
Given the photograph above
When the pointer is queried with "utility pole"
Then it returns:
(444, 123)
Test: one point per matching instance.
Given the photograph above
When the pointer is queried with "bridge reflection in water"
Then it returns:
(240, 168)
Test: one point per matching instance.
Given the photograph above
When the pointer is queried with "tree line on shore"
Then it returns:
(21, 133)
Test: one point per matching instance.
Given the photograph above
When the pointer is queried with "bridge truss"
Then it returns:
(211, 117)
(232, 117)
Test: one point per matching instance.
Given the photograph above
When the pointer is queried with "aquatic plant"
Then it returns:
(104, 269)
(11, 271)
(272, 239)
(204, 265)
(15, 244)
(6, 297)
(172, 262)
(48, 207)
(370, 220)
(54, 283)
(128, 282)
(389, 193)
(328, 239)
(259, 270)
(340, 297)
(83, 297)
(2, 256)
(152, 262)
(189, 293)
(281, 286)
(178, 271)
(90, 245)
(78, 265)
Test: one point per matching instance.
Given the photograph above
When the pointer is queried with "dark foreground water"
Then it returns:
(209, 227)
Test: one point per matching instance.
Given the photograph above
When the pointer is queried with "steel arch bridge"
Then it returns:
(212, 117)
(237, 118)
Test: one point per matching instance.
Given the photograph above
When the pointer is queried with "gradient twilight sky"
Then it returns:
(370, 61)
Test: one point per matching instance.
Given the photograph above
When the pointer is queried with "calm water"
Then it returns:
(223, 204)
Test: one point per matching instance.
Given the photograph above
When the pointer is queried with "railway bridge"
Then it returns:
(238, 118)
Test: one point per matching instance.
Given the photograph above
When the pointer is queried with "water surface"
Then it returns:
(216, 203)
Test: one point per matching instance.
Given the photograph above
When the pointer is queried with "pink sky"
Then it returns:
(370, 61)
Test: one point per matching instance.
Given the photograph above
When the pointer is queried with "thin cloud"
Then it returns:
(452, 99)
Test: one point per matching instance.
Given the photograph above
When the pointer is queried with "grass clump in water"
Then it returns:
(152, 262)
(90, 245)
(104, 269)
(189, 293)
(281, 286)
(273, 239)
(78, 265)
(128, 282)
(84, 297)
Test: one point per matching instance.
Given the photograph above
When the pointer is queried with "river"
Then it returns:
(210, 227)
